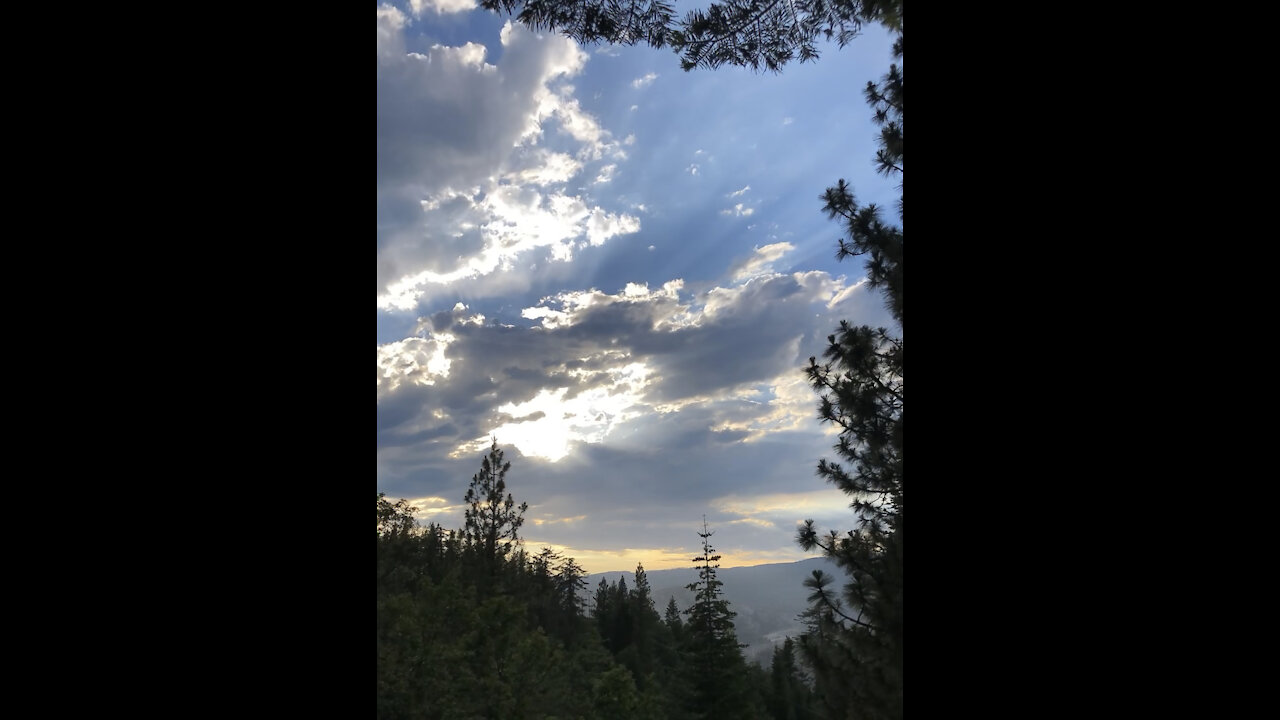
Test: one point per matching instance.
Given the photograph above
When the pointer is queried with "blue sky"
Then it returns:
(618, 269)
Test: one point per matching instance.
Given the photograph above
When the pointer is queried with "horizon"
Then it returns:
(648, 570)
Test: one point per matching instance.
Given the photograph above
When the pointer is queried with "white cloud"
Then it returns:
(738, 193)
(602, 225)
(787, 121)
(441, 7)
(510, 221)
(413, 360)
(542, 167)
(467, 178)
(390, 22)
(761, 261)
(846, 293)
(578, 124)
(606, 173)
(692, 169)
(738, 210)
(644, 81)
(635, 108)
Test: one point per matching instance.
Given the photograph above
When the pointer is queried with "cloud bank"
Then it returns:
(476, 160)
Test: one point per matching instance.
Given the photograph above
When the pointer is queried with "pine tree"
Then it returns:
(647, 633)
(714, 654)
(600, 610)
(869, 235)
(854, 643)
(788, 697)
(619, 637)
(710, 618)
(394, 519)
(752, 33)
(493, 519)
(642, 593)
(570, 579)
(672, 617)
(675, 676)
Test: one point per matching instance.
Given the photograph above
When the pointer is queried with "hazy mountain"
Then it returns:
(767, 598)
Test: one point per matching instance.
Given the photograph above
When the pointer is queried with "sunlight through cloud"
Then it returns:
(558, 421)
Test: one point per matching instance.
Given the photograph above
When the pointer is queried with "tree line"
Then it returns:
(473, 625)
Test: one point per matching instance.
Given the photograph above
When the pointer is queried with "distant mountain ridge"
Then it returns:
(767, 598)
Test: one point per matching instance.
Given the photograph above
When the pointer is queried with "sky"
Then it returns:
(618, 270)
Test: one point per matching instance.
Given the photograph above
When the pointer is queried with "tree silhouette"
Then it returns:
(752, 33)
(854, 643)
(719, 683)
(493, 519)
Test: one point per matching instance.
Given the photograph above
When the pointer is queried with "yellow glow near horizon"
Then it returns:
(798, 505)
(669, 558)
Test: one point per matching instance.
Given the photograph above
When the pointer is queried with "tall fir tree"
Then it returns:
(854, 643)
(600, 608)
(788, 696)
(713, 653)
(492, 518)
(645, 627)
(671, 617)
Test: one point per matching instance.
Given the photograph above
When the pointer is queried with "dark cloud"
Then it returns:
(688, 456)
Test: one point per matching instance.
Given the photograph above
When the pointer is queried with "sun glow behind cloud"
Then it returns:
(545, 426)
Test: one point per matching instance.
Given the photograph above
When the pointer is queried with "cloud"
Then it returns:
(505, 223)
(738, 193)
(390, 22)
(644, 81)
(738, 210)
(538, 166)
(440, 7)
(784, 509)
(475, 159)
(606, 173)
(846, 293)
(787, 121)
(760, 262)
(720, 366)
